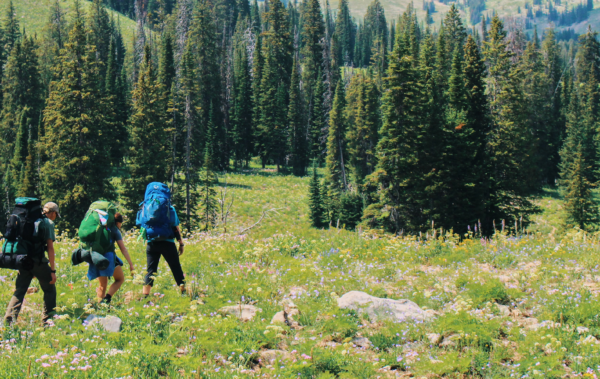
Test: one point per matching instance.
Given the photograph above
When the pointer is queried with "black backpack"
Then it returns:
(21, 243)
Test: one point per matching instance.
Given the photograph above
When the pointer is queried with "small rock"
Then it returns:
(109, 323)
(362, 342)
(434, 338)
(582, 330)
(290, 310)
(279, 318)
(268, 357)
(530, 323)
(448, 343)
(504, 310)
(590, 340)
(182, 352)
(382, 309)
(244, 312)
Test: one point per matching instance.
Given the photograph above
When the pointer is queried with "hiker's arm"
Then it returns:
(50, 245)
(125, 253)
(178, 236)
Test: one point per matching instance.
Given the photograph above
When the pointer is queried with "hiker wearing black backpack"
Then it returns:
(160, 227)
(29, 233)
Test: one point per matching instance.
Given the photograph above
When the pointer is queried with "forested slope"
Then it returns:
(543, 13)
(33, 15)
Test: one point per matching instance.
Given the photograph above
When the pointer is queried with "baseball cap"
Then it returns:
(50, 207)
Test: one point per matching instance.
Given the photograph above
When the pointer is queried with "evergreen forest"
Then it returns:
(403, 125)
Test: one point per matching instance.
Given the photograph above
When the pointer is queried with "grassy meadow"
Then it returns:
(510, 306)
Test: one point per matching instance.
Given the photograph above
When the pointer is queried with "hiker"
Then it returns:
(115, 264)
(40, 239)
(160, 227)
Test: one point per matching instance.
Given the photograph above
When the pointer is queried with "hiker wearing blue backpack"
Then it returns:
(159, 225)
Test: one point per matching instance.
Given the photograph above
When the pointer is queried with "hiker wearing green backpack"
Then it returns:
(115, 265)
(98, 233)
(160, 227)
(32, 228)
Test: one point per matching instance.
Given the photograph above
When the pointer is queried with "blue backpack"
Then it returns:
(155, 212)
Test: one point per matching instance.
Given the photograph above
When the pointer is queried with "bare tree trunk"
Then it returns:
(188, 114)
(343, 166)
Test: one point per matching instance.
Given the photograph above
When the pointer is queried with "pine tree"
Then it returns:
(147, 149)
(298, 138)
(398, 175)
(100, 33)
(185, 194)
(475, 131)
(275, 80)
(53, 39)
(374, 28)
(166, 67)
(255, 17)
(22, 89)
(552, 66)
(24, 174)
(11, 29)
(205, 54)
(77, 120)
(120, 106)
(315, 201)
(580, 205)
(512, 171)
(454, 30)
(317, 124)
(257, 70)
(242, 132)
(345, 32)
(362, 113)
(312, 34)
(208, 205)
(336, 177)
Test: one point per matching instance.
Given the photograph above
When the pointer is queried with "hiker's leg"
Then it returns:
(119, 280)
(21, 285)
(152, 260)
(43, 274)
(172, 257)
(102, 285)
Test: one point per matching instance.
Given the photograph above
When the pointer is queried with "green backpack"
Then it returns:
(94, 231)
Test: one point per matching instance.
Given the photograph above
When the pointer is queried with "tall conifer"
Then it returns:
(77, 124)
(148, 151)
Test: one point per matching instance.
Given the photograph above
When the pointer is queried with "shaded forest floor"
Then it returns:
(505, 307)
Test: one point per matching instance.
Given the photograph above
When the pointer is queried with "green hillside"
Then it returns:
(33, 15)
(504, 8)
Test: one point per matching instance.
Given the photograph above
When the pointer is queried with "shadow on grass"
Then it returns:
(264, 172)
(552, 192)
(224, 184)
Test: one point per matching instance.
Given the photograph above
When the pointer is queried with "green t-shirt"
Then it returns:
(44, 230)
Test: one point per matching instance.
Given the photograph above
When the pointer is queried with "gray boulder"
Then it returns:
(383, 309)
(108, 323)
